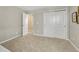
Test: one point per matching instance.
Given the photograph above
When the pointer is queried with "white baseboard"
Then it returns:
(38, 35)
(46, 36)
(10, 39)
(42, 35)
(74, 45)
(3, 49)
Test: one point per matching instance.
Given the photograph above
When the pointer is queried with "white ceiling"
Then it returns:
(31, 8)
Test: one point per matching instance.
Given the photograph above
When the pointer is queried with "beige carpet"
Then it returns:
(31, 43)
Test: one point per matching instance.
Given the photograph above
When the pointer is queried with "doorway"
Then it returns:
(27, 23)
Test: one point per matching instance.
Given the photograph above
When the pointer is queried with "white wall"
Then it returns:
(74, 28)
(38, 23)
(10, 22)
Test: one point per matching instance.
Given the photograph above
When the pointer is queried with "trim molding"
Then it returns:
(9, 39)
(41, 35)
(74, 45)
(4, 49)
(46, 36)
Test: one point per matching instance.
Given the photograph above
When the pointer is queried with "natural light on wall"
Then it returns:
(30, 23)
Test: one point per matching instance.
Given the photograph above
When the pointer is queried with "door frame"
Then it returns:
(67, 22)
(22, 25)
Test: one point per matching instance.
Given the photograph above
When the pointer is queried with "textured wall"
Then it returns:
(74, 28)
(10, 22)
(38, 23)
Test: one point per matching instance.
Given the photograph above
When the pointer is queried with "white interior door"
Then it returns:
(55, 24)
(25, 23)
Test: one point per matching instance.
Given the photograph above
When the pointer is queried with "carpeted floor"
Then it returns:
(31, 43)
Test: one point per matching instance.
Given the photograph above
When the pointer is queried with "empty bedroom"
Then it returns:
(39, 29)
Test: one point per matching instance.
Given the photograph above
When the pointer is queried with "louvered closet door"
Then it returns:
(55, 24)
